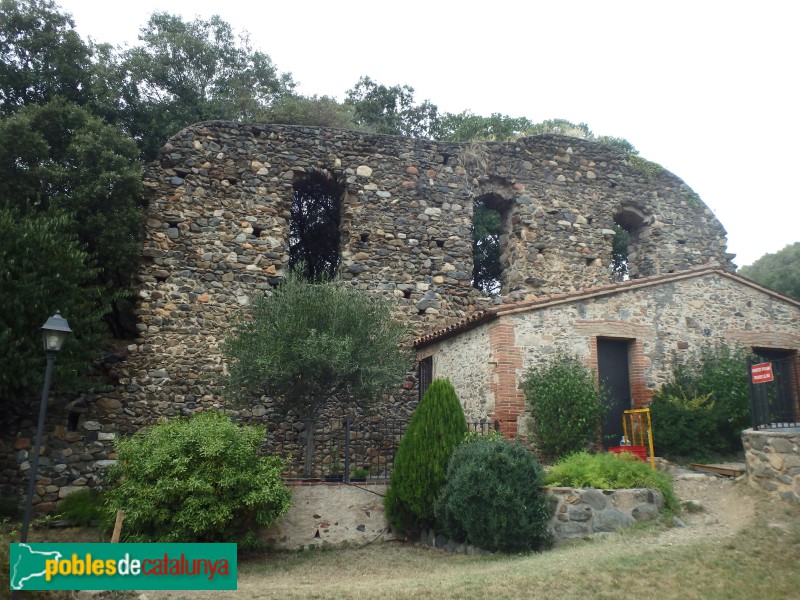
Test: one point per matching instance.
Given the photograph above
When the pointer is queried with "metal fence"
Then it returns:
(774, 392)
(346, 448)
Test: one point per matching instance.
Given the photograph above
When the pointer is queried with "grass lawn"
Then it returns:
(761, 562)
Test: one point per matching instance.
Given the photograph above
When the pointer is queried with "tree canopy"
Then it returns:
(185, 72)
(392, 110)
(43, 269)
(42, 57)
(77, 118)
(779, 271)
(307, 345)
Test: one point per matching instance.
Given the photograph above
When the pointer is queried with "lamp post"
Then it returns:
(54, 333)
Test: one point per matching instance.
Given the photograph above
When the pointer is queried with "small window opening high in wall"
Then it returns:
(489, 224)
(628, 222)
(314, 228)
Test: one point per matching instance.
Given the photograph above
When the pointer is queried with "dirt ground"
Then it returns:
(713, 506)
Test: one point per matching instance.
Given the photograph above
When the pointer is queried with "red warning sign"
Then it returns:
(761, 373)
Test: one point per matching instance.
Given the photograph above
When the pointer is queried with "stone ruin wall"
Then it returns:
(217, 232)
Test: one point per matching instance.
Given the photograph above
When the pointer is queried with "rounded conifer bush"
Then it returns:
(420, 465)
(492, 497)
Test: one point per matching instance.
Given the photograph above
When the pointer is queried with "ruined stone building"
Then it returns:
(218, 231)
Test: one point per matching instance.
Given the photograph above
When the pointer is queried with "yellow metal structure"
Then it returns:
(638, 430)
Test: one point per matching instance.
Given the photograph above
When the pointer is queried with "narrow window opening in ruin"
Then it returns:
(172, 224)
(406, 293)
(314, 228)
(257, 231)
(365, 237)
(619, 254)
(72, 421)
(489, 225)
(628, 222)
(440, 243)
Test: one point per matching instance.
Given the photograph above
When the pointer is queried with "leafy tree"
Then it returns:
(58, 157)
(201, 479)
(566, 406)
(42, 57)
(562, 127)
(486, 230)
(467, 127)
(420, 465)
(618, 142)
(391, 110)
(779, 271)
(185, 72)
(43, 269)
(315, 111)
(492, 497)
(308, 345)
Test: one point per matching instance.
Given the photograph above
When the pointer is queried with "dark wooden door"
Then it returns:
(612, 367)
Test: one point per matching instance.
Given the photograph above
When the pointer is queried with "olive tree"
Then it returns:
(307, 345)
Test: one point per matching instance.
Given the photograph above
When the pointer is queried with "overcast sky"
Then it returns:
(706, 88)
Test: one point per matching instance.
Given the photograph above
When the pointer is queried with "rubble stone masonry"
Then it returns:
(217, 233)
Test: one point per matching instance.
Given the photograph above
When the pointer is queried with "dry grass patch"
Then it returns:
(759, 562)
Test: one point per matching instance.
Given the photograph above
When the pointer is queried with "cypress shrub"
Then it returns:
(420, 465)
(492, 497)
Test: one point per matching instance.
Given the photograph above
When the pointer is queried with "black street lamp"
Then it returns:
(54, 333)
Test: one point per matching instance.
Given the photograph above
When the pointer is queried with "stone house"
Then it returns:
(629, 333)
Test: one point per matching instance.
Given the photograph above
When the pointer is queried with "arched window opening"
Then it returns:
(489, 222)
(314, 228)
(628, 222)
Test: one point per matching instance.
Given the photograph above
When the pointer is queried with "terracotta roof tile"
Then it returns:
(603, 290)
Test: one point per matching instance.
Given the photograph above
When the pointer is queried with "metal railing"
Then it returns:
(346, 448)
(774, 392)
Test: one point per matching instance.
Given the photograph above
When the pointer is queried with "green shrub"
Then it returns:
(492, 497)
(196, 480)
(719, 374)
(566, 406)
(610, 471)
(420, 465)
(683, 426)
(82, 508)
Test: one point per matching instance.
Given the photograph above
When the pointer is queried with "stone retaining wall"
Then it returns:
(323, 514)
(331, 513)
(773, 462)
(584, 512)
